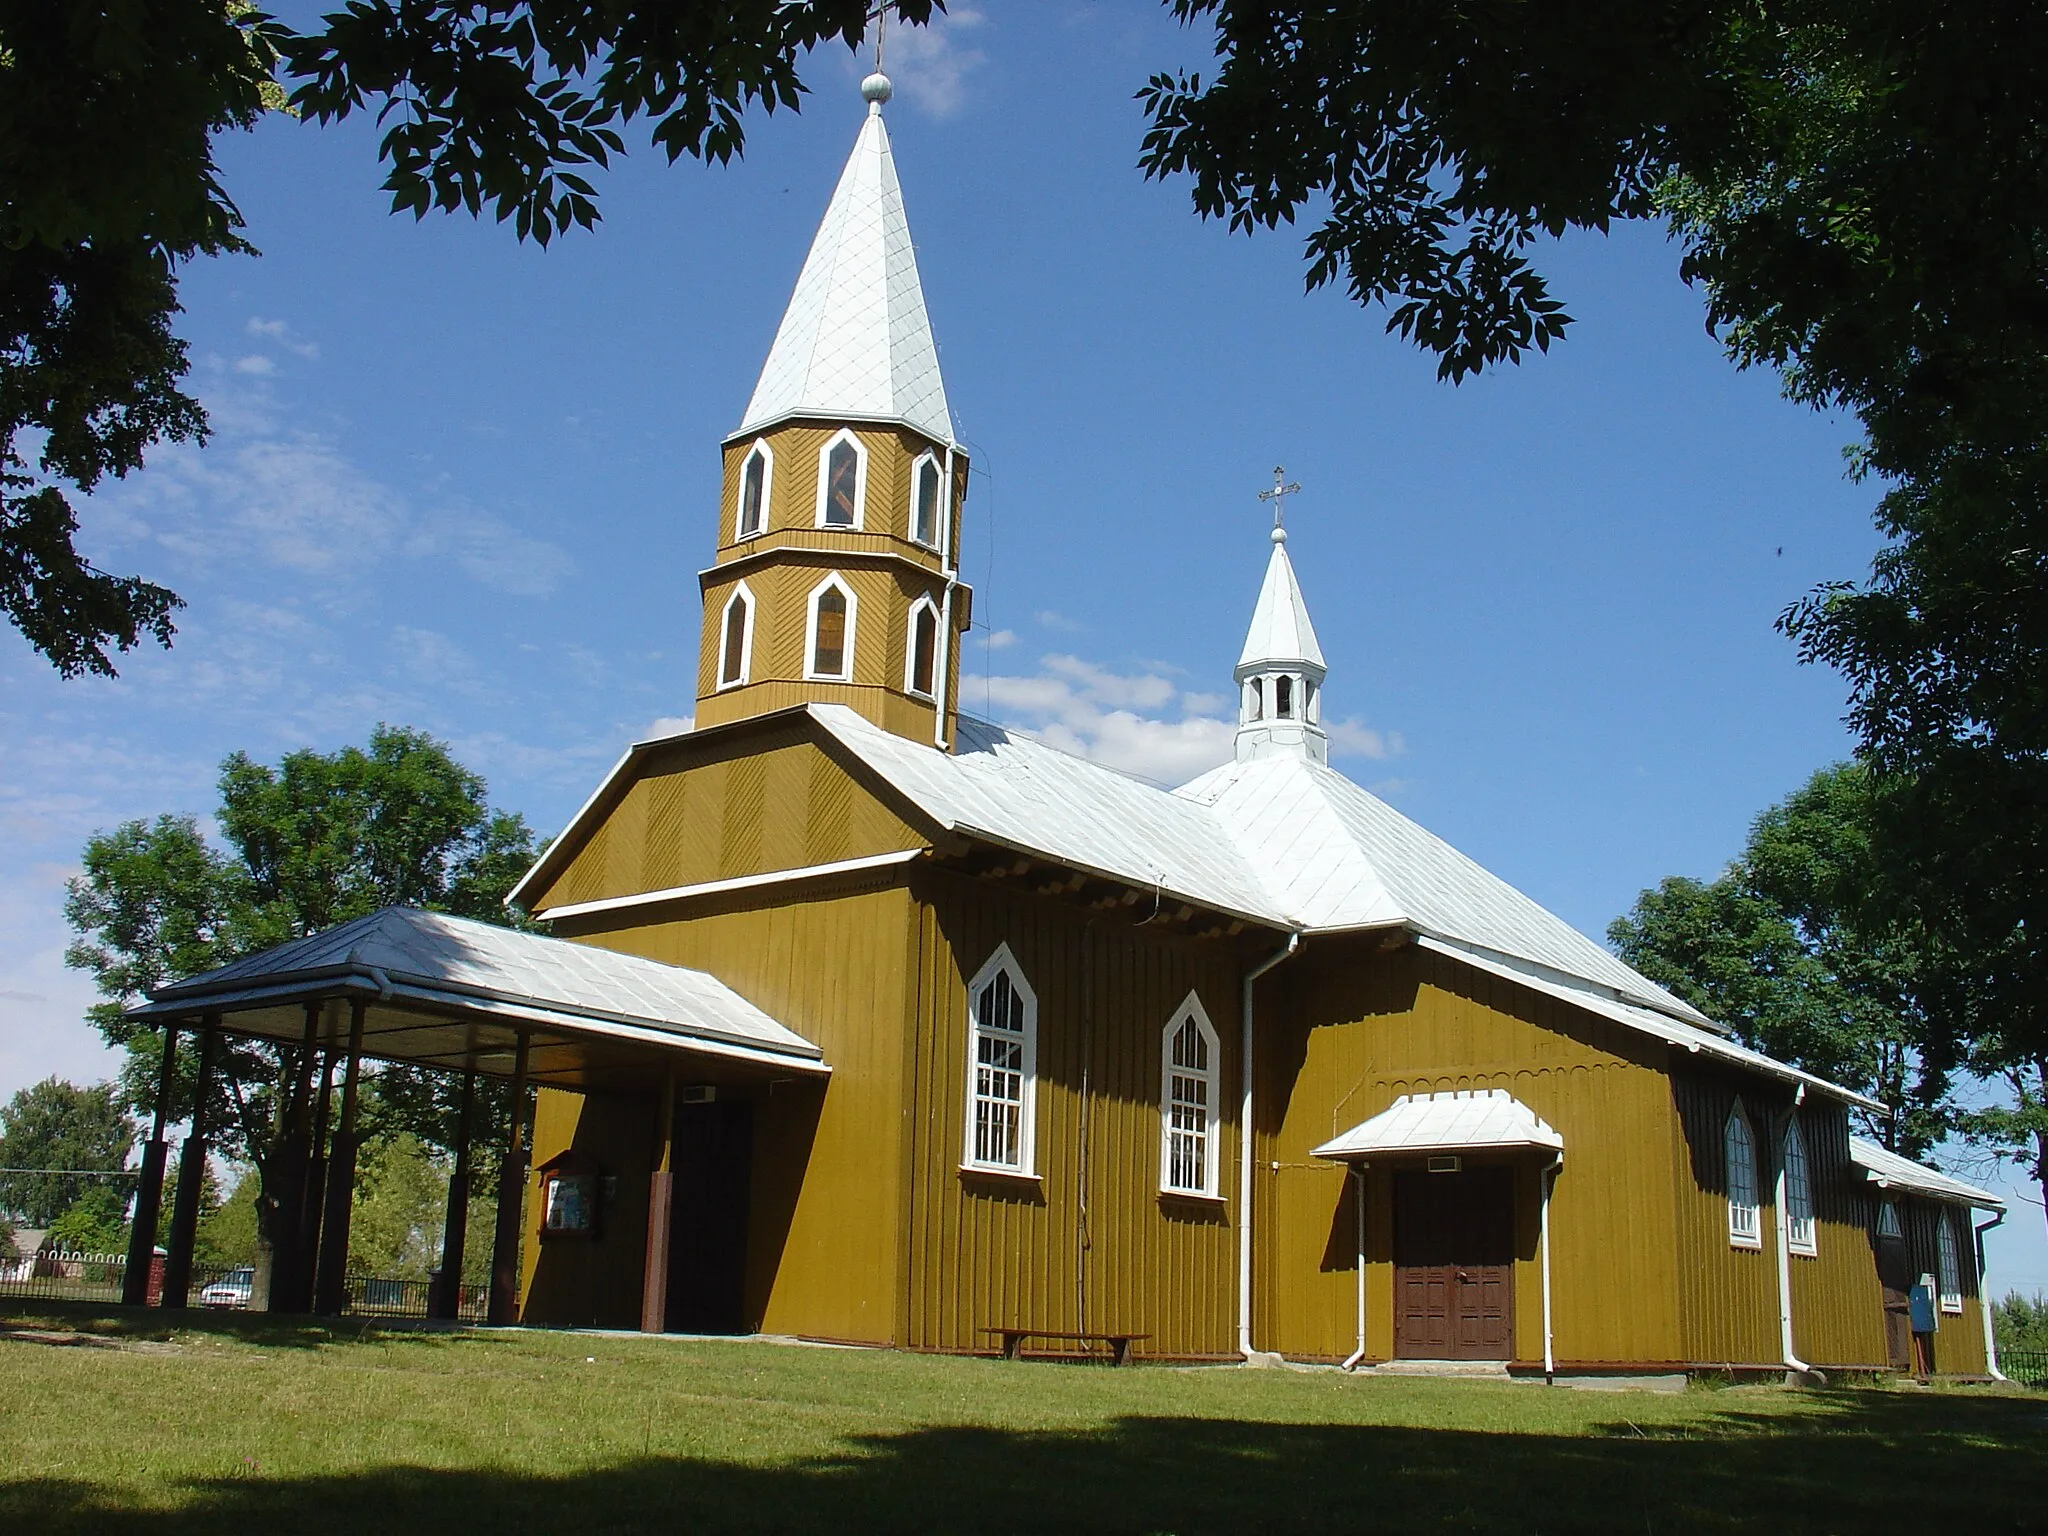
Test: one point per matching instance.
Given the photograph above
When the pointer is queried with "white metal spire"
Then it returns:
(855, 343)
(1280, 671)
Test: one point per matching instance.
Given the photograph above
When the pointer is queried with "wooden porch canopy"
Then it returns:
(459, 995)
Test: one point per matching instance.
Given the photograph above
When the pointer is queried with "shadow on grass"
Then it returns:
(99, 1320)
(1861, 1462)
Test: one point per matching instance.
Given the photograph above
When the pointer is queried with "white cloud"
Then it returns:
(667, 725)
(1000, 639)
(278, 332)
(1052, 618)
(256, 365)
(929, 65)
(1140, 721)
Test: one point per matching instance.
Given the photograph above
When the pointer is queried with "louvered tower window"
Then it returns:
(1738, 1145)
(736, 638)
(1002, 1068)
(842, 476)
(924, 505)
(1187, 1153)
(754, 491)
(829, 645)
(922, 666)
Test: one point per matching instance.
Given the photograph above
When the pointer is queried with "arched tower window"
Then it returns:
(926, 506)
(1255, 699)
(920, 666)
(1189, 1056)
(1800, 1233)
(756, 474)
(736, 638)
(828, 641)
(1002, 1067)
(1283, 697)
(1738, 1149)
(842, 481)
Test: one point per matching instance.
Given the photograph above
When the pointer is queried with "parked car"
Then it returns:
(230, 1290)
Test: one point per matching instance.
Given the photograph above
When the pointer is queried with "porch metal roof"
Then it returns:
(1466, 1120)
(1888, 1170)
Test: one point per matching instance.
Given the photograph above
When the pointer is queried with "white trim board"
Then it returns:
(736, 883)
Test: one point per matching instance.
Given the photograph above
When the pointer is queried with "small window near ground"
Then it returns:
(754, 491)
(1800, 1231)
(1738, 1143)
(1188, 1152)
(1002, 1064)
(924, 646)
(924, 502)
(1947, 1262)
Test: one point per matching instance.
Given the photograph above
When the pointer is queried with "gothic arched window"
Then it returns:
(736, 638)
(1800, 1233)
(828, 647)
(842, 482)
(920, 667)
(925, 501)
(754, 481)
(1189, 1057)
(1002, 1067)
(1948, 1267)
(1738, 1149)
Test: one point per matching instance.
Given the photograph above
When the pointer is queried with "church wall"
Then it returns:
(1728, 1295)
(590, 1282)
(826, 1193)
(1091, 1244)
(793, 487)
(712, 810)
(1837, 1303)
(1958, 1336)
(1346, 1029)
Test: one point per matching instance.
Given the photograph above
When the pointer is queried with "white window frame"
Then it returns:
(1888, 1223)
(1211, 1079)
(811, 674)
(766, 454)
(1026, 1166)
(1802, 1232)
(922, 605)
(1948, 1261)
(1745, 1218)
(860, 480)
(939, 513)
(741, 593)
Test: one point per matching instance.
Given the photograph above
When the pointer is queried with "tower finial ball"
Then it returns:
(876, 89)
(1279, 534)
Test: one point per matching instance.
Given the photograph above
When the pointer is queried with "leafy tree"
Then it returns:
(2021, 1322)
(319, 839)
(58, 1125)
(395, 1230)
(226, 1236)
(1796, 946)
(108, 186)
(96, 1222)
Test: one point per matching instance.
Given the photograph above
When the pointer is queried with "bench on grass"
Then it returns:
(1119, 1343)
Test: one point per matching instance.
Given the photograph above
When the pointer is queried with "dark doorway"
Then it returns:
(1454, 1265)
(1895, 1275)
(707, 1264)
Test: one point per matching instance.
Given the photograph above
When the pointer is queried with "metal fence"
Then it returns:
(2027, 1365)
(63, 1276)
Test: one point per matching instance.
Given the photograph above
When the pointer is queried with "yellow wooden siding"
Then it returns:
(1958, 1336)
(793, 488)
(824, 1216)
(1728, 1296)
(989, 1251)
(1837, 1303)
(1343, 1033)
(717, 810)
(590, 1282)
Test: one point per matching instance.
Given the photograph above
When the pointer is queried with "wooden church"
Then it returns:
(1255, 1066)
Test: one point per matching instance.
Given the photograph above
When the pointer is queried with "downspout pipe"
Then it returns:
(942, 643)
(1358, 1220)
(1244, 1146)
(1793, 1364)
(1549, 1350)
(1984, 1299)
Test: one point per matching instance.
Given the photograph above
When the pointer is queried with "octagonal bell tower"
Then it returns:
(837, 574)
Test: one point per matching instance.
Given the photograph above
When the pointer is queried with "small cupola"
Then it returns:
(1280, 672)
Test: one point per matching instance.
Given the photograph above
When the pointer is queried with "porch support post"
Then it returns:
(331, 1292)
(313, 1209)
(149, 1193)
(660, 1191)
(511, 1202)
(447, 1300)
(191, 1174)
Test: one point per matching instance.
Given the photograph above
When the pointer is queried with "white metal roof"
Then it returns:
(1467, 1120)
(1281, 632)
(855, 342)
(495, 970)
(1888, 1170)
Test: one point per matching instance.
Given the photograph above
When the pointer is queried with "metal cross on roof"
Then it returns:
(1280, 492)
(880, 16)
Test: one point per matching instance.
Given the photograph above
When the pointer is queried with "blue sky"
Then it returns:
(466, 485)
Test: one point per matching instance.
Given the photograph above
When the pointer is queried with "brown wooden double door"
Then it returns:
(1454, 1265)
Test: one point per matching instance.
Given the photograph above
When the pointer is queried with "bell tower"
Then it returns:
(837, 578)
(1280, 671)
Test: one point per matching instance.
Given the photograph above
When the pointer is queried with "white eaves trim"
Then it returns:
(1888, 1170)
(737, 883)
(1661, 1026)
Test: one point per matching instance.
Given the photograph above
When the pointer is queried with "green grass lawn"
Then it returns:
(197, 1423)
